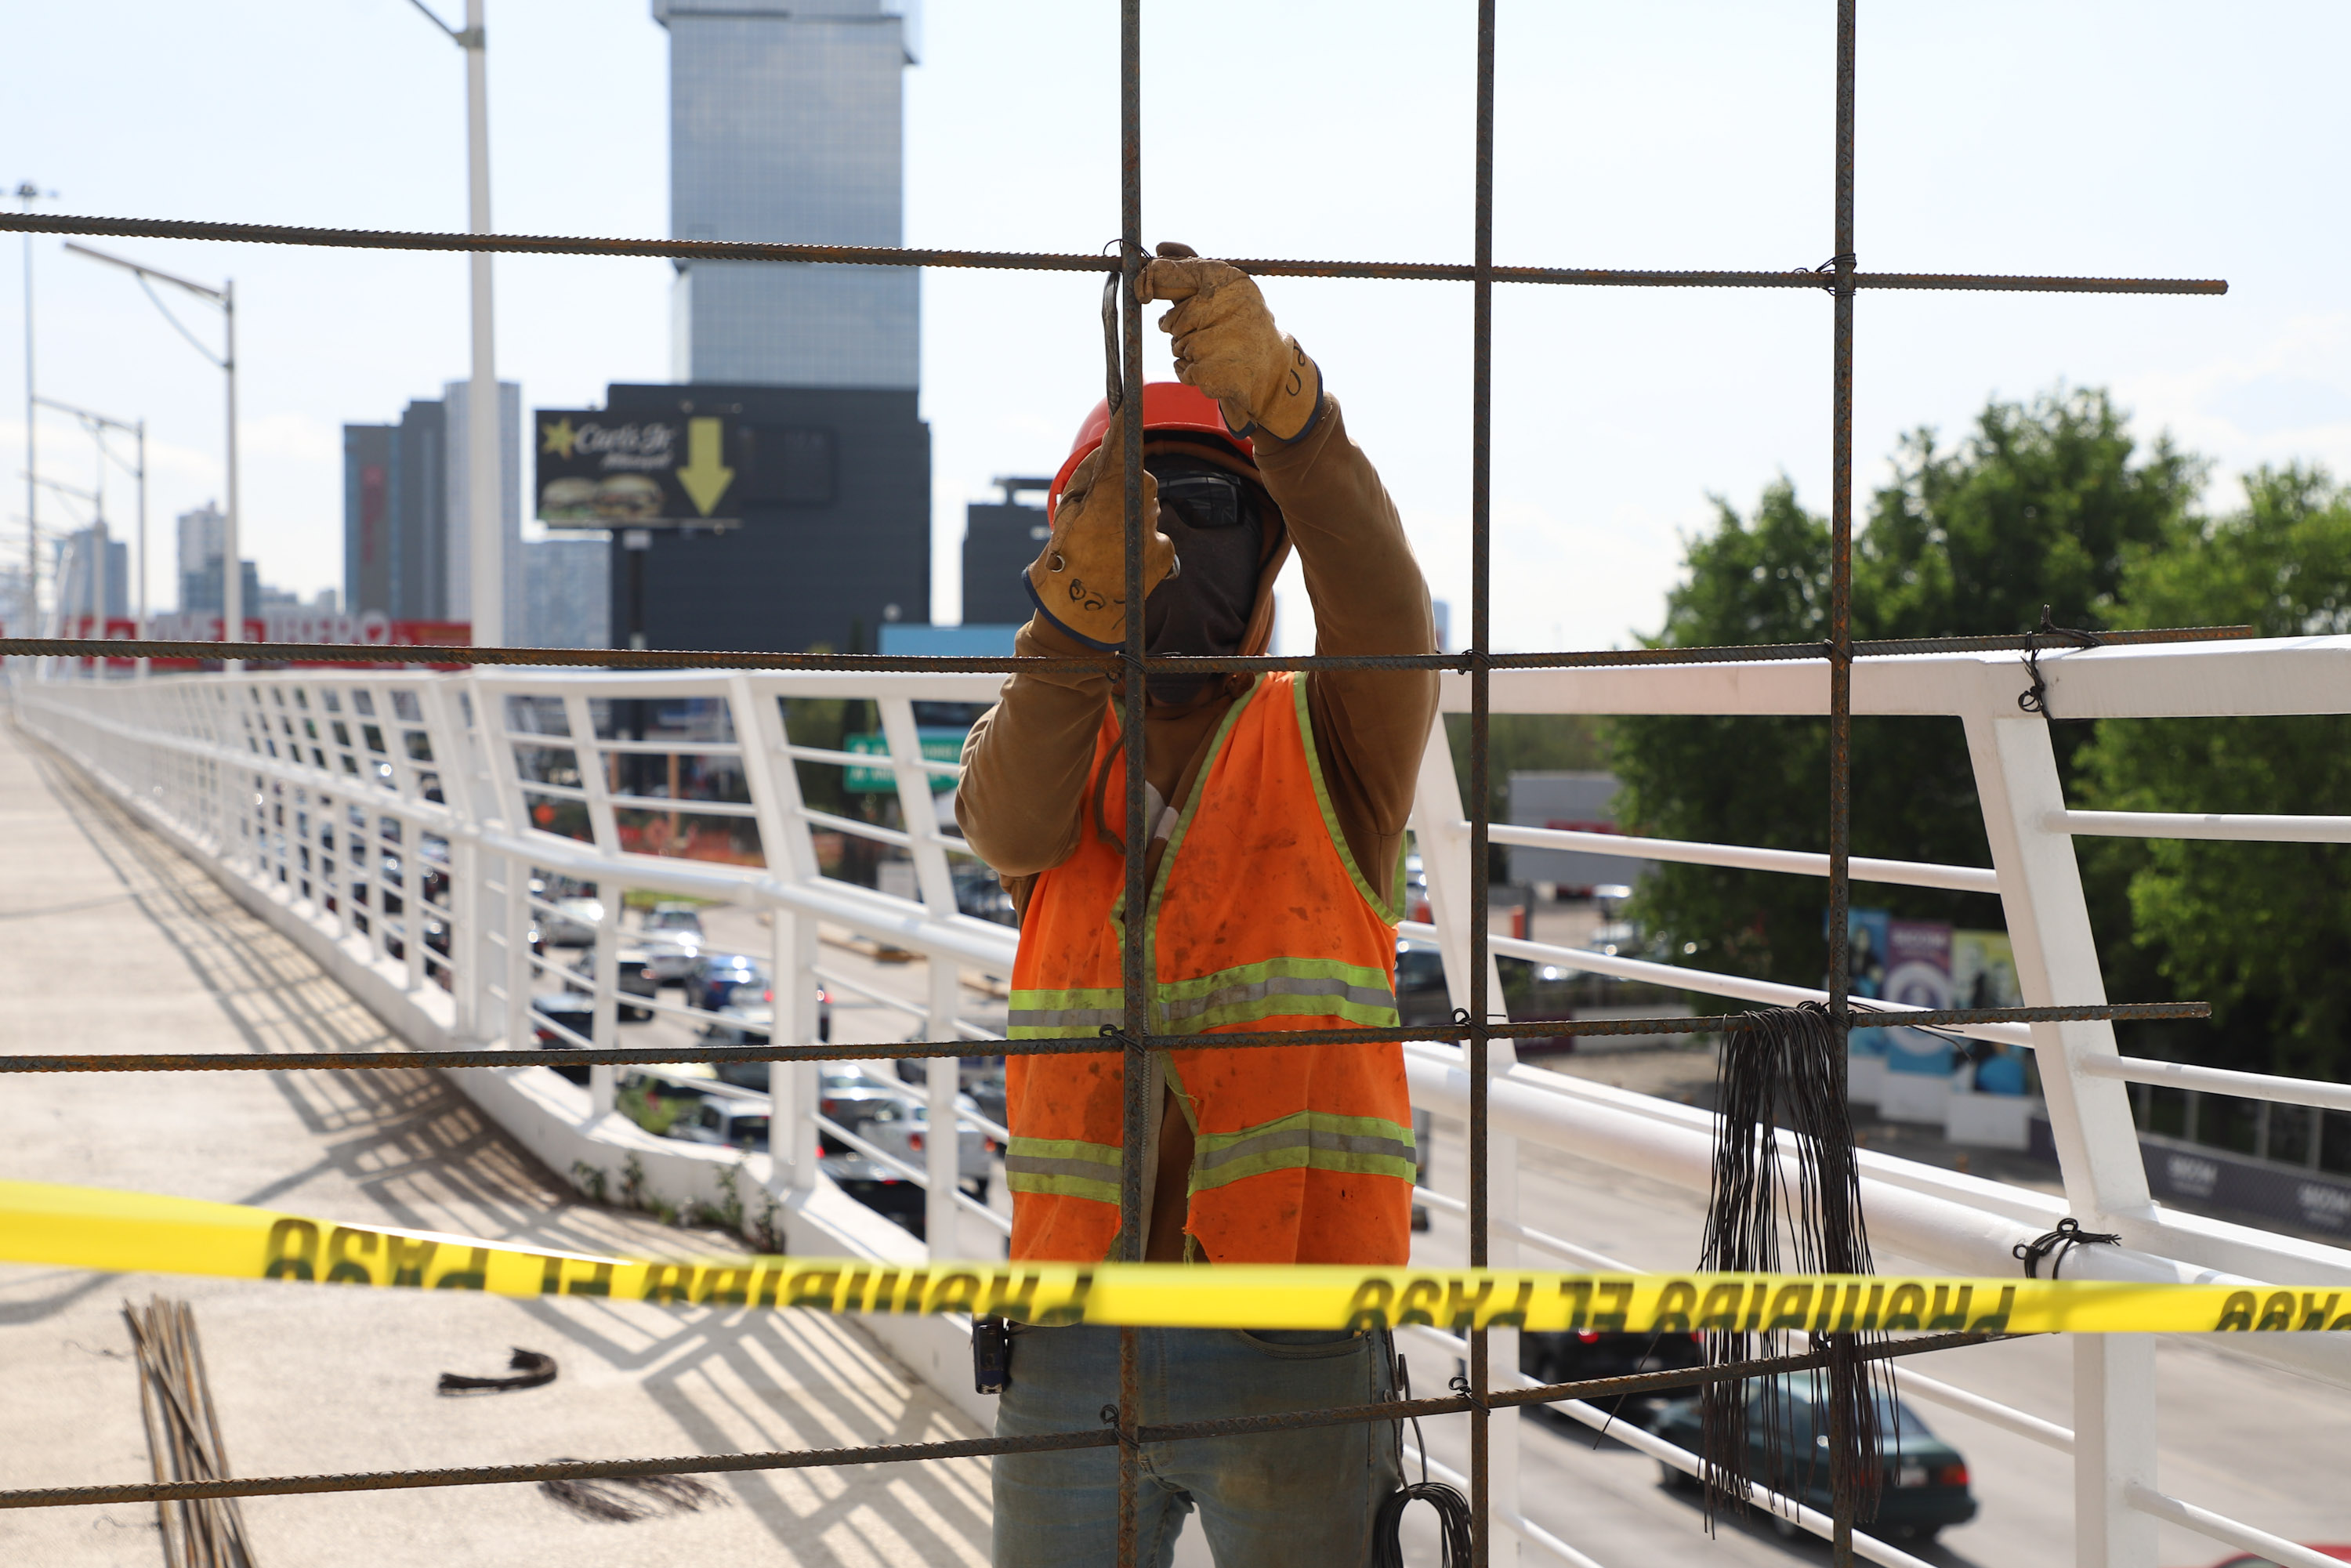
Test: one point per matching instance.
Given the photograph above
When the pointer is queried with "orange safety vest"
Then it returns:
(1259, 919)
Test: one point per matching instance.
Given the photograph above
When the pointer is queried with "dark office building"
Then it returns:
(1000, 539)
(395, 516)
(832, 487)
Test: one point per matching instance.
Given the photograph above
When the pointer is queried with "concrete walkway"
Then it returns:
(111, 941)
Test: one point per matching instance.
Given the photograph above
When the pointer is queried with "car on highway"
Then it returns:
(979, 893)
(1573, 1356)
(572, 923)
(878, 1188)
(673, 938)
(715, 978)
(901, 1128)
(569, 1009)
(1420, 993)
(1926, 1486)
(636, 971)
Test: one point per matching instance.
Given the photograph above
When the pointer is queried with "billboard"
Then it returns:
(597, 469)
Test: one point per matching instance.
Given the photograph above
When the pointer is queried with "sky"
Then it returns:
(2099, 137)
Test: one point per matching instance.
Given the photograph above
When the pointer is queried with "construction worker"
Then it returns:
(1277, 805)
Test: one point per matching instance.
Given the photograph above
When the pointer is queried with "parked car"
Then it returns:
(1573, 1356)
(716, 975)
(673, 938)
(736, 1124)
(1926, 1486)
(636, 971)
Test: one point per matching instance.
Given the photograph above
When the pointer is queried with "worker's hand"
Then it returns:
(1227, 346)
(1079, 581)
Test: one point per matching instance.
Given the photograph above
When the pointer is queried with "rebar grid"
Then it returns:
(1840, 277)
(1064, 1045)
(961, 1448)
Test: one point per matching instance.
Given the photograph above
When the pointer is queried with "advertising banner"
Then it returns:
(1917, 975)
(600, 470)
(1983, 975)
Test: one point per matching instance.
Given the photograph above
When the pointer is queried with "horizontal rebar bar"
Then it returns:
(1064, 1045)
(1051, 261)
(967, 1448)
(126, 648)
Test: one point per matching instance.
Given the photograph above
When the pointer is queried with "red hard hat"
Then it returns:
(1166, 405)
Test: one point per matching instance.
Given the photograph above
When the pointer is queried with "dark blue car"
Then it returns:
(719, 974)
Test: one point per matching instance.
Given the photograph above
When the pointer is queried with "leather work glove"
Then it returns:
(1079, 584)
(1227, 346)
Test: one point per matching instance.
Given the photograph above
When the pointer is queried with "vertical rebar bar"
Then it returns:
(1134, 977)
(1481, 443)
(1843, 1372)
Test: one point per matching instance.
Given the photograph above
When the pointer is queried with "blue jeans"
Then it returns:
(1279, 1499)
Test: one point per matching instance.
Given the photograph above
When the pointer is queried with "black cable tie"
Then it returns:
(2061, 1241)
(2036, 698)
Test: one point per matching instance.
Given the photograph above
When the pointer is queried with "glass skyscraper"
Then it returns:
(786, 125)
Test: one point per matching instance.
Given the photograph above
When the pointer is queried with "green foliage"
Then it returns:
(2046, 503)
(2262, 931)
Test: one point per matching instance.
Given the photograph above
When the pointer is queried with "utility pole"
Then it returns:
(484, 454)
(225, 296)
(28, 193)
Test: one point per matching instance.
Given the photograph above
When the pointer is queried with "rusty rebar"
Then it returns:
(1056, 261)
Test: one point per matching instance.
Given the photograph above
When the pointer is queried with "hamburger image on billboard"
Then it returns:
(599, 470)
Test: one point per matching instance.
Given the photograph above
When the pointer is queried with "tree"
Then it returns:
(2042, 504)
(2262, 931)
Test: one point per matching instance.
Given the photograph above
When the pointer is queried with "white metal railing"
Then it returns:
(337, 791)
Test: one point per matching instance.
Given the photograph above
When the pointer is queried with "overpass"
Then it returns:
(205, 861)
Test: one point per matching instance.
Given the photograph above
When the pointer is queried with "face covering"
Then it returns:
(1217, 525)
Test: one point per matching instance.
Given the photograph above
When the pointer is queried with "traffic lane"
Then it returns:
(2241, 1438)
(855, 1019)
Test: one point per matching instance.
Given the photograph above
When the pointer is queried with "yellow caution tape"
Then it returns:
(122, 1232)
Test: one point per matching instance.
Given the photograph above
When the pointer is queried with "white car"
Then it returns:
(573, 922)
(674, 941)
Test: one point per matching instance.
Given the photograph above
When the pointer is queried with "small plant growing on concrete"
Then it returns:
(590, 1179)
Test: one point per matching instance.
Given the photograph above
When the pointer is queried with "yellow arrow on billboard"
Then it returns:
(706, 475)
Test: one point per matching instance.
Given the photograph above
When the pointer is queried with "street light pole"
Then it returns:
(99, 424)
(28, 193)
(225, 296)
(485, 468)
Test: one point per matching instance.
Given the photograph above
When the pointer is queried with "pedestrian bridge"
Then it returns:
(298, 860)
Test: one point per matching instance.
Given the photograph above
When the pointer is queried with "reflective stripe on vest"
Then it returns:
(1259, 919)
(1369, 1146)
(1067, 1167)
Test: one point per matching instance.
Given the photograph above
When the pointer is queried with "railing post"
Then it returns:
(2089, 1118)
(793, 1086)
(943, 1144)
(2113, 1449)
(520, 977)
(2056, 963)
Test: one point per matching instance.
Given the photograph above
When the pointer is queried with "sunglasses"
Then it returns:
(1208, 500)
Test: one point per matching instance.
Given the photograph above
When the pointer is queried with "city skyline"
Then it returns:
(1616, 416)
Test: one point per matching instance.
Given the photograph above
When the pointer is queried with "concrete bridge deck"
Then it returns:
(109, 940)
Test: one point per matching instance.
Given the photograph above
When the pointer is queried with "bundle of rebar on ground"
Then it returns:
(184, 1437)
